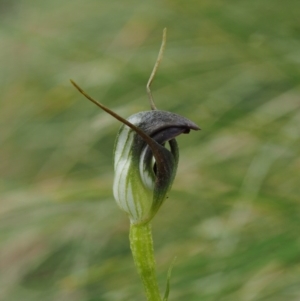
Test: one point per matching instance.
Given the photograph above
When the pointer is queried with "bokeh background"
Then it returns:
(233, 215)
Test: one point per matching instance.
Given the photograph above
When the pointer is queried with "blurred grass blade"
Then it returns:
(166, 296)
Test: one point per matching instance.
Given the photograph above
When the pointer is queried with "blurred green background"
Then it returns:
(233, 215)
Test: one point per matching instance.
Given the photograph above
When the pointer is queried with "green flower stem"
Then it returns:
(141, 245)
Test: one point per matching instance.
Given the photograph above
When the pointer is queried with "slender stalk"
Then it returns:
(142, 251)
(158, 60)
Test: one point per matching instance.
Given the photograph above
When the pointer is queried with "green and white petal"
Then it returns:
(144, 167)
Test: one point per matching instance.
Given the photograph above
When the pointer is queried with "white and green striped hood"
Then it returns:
(144, 167)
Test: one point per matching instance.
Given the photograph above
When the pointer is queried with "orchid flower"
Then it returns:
(145, 162)
(144, 167)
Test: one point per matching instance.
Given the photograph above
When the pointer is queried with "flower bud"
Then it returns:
(144, 166)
